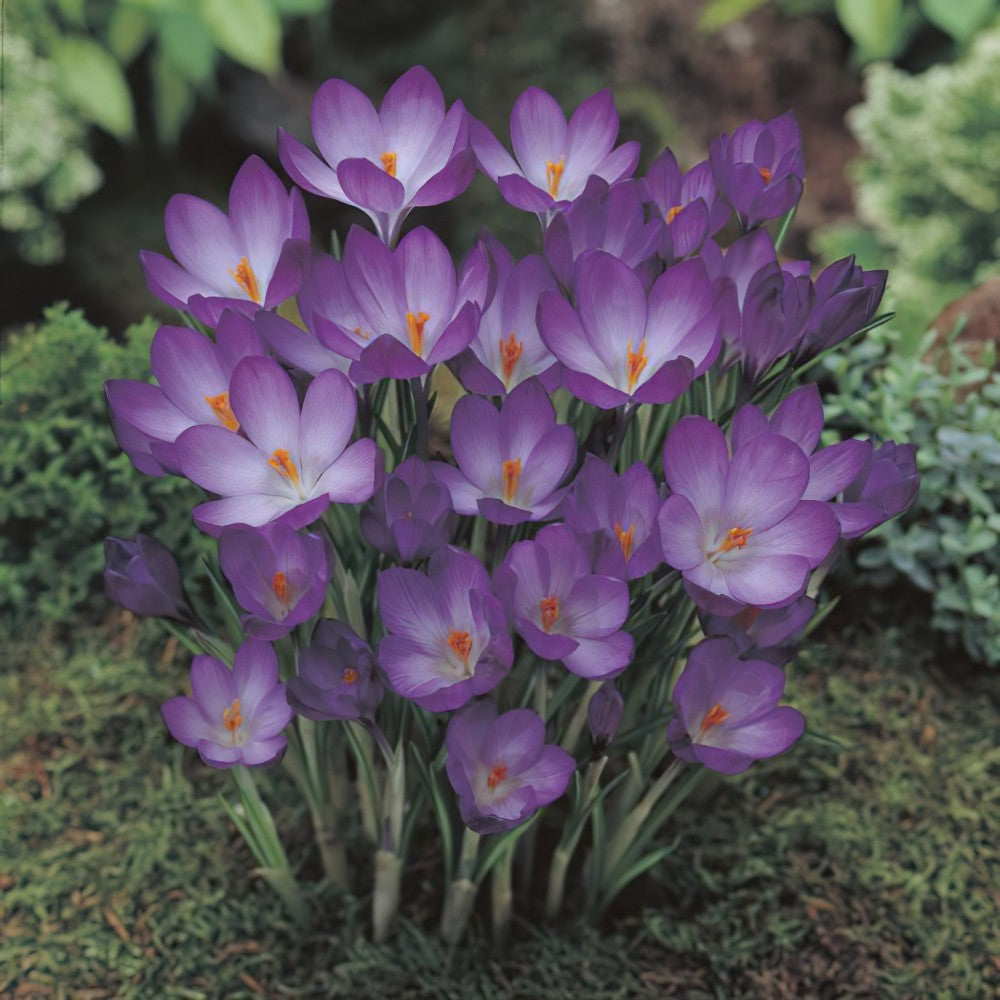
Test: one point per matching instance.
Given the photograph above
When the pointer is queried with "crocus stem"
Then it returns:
(622, 419)
(502, 895)
(572, 733)
(385, 897)
(461, 894)
(632, 823)
(419, 391)
(388, 858)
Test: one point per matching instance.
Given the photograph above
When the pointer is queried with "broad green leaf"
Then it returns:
(874, 25)
(127, 32)
(187, 46)
(959, 18)
(719, 13)
(248, 31)
(92, 80)
(173, 99)
(73, 11)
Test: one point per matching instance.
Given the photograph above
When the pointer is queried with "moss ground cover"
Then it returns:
(863, 869)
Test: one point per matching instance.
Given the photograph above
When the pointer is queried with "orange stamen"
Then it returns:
(361, 333)
(765, 172)
(736, 538)
(232, 717)
(461, 645)
(246, 279)
(282, 463)
(415, 328)
(672, 213)
(635, 362)
(553, 174)
(626, 539)
(713, 717)
(550, 611)
(510, 471)
(497, 776)
(389, 162)
(223, 411)
(279, 584)
(350, 675)
(510, 354)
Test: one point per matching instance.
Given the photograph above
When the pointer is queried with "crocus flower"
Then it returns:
(501, 767)
(290, 465)
(760, 634)
(738, 528)
(604, 714)
(248, 260)
(447, 639)
(507, 349)
(886, 486)
(614, 518)
(278, 576)
(609, 219)
(510, 464)
(562, 610)
(759, 168)
(233, 716)
(727, 710)
(193, 388)
(337, 677)
(618, 348)
(688, 203)
(411, 515)
(142, 576)
(554, 160)
(408, 153)
(393, 313)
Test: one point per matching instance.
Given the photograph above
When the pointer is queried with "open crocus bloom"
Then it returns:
(739, 529)
(243, 260)
(233, 716)
(501, 767)
(727, 710)
(408, 153)
(554, 160)
(290, 465)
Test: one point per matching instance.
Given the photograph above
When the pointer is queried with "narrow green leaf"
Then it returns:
(91, 79)
(128, 31)
(719, 13)
(248, 31)
(173, 99)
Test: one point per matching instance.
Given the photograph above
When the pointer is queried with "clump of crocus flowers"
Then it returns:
(588, 591)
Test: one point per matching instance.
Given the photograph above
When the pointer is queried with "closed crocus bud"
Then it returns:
(886, 487)
(142, 576)
(604, 714)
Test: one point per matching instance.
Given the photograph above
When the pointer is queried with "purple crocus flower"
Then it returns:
(562, 610)
(618, 348)
(447, 639)
(614, 518)
(688, 203)
(501, 767)
(760, 634)
(337, 677)
(604, 714)
(411, 515)
(759, 168)
(554, 160)
(393, 313)
(408, 153)
(142, 576)
(233, 716)
(727, 710)
(248, 260)
(609, 219)
(193, 388)
(507, 349)
(886, 486)
(290, 465)
(510, 464)
(278, 576)
(739, 529)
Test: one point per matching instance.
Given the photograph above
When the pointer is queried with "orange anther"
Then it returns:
(553, 174)
(626, 539)
(282, 463)
(713, 717)
(246, 279)
(279, 584)
(497, 776)
(635, 362)
(461, 645)
(736, 538)
(510, 472)
(415, 328)
(389, 163)
(232, 717)
(549, 607)
(510, 354)
(350, 675)
(223, 411)
(765, 172)
(361, 333)
(672, 213)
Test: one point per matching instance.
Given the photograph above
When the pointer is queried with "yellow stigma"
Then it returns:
(497, 776)
(549, 606)
(765, 172)
(282, 463)
(415, 328)
(361, 333)
(635, 362)
(553, 174)
(510, 472)
(461, 645)
(626, 539)
(246, 279)
(279, 584)
(350, 675)
(223, 411)
(232, 717)
(672, 214)
(713, 717)
(510, 354)
(736, 538)
(389, 162)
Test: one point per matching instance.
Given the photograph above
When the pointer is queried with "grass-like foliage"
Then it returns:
(64, 482)
(869, 867)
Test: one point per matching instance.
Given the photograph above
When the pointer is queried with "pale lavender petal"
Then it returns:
(201, 238)
(369, 186)
(169, 282)
(329, 410)
(599, 659)
(264, 401)
(493, 159)
(538, 134)
(307, 169)
(223, 462)
(766, 480)
(260, 216)
(696, 463)
(351, 479)
(345, 124)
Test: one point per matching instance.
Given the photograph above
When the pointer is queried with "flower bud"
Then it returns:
(142, 576)
(604, 714)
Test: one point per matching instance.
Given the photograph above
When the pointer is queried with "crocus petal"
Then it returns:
(345, 124)
(537, 133)
(307, 169)
(168, 281)
(493, 159)
(351, 479)
(599, 659)
(766, 480)
(264, 401)
(201, 238)
(696, 462)
(327, 422)
(223, 462)
(259, 215)
(369, 186)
